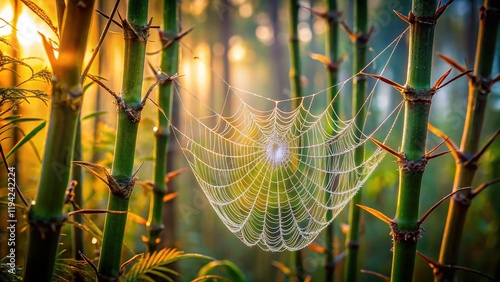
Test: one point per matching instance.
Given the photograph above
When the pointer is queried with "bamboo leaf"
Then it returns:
(26, 138)
(92, 115)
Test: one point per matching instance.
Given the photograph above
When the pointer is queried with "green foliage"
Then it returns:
(156, 264)
(231, 269)
(15, 94)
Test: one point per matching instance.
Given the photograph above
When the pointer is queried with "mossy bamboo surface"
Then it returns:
(169, 65)
(417, 101)
(296, 92)
(332, 53)
(479, 89)
(135, 35)
(46, 215)
(359, 95)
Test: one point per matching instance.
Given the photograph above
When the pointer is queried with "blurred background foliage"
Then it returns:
(245, 42)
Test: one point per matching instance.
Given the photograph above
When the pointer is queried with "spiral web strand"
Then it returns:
(272, 174)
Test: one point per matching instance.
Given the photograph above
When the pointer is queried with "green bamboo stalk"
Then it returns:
(169, 64)
(46, 215)
(296, 91)
(359, 95)
(332, 53)
(417, 101)
(77, 175)
(479, 89)
(136, 31)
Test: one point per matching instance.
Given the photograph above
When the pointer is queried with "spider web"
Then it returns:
(272, 173)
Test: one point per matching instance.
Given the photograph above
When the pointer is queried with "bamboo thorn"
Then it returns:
(96, 80)
(437, 155)
(169, 42)
(314, 11)
(437, 267)
(101, 40)
(316, 248)
(90, 168)
(173, 174)
(437, 147)
(495, 79)
(454, 150)
(349, 32)
(453, 63)
(125, 264)
(169, 197)
(107, 17)
(387, 148)
(401, 16)
(440, 10)
(376, 274)
(478, 155)
(376, 213)
(483, 186)
(88, 261)
(439, 202)
(455, 78)
(396, 85)
(441, 79)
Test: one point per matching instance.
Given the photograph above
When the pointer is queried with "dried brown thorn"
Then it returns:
(428, 212)
(401, 16)
(396, 85)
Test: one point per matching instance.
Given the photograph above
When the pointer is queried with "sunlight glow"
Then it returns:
(245, 10)
(94, 240)
(265, 34)
(7, 14)
(237, 53)
(27, 32)
(305, 33)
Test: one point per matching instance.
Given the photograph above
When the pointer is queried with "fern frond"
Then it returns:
(156, 265)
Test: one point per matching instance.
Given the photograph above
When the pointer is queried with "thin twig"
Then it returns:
(439, 202)
(101, 40)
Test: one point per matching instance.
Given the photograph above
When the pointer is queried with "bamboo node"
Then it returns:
(418, 96)
(484, 85)
(427, 20)
(400, 236)
(44, 226)
(412, 166)
(121, 187)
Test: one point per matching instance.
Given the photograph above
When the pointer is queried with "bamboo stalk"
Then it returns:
(479, 89)
(359, 95)
(46, 215)
(169, 64)
(296, 92)
(417, 101)
(77, 175)
(332, 53)
(136, 31)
